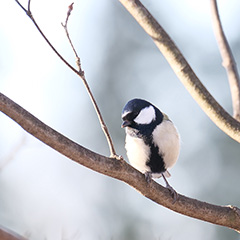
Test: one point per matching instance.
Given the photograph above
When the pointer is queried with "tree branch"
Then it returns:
(226, 216)
(6, 234)
(79, 72)
(228, 60)
(222, 215)
(82, 75)
(179, 64)
(65, 26)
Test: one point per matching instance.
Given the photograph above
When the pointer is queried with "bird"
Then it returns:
(152, 141)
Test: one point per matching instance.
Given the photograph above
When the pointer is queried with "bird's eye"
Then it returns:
(129, 116)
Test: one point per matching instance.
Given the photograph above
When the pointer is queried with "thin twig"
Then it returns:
(29, 6)
(78, 61)
(183, 70)
(82, 75)
(79, 72)
(228, 60)
(70, 8)
(20, 5)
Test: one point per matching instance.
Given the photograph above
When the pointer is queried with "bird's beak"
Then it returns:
(125, 124)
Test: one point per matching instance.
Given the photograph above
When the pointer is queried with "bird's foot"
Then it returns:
(117, 157)
(171, 189)
(173, 193)
(148, 176)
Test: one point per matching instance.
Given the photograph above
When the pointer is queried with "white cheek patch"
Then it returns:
(146, 116)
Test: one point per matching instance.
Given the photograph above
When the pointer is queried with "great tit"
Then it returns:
(152, 140)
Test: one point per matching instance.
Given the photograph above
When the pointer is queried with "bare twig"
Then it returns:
(29, 6)
(70, 8)
(228, 60)
(78, 62)
(179, 64)
(79, 72)
(228, 216)
(82, 75)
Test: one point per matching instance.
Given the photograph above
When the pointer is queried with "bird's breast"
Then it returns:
(138, 153)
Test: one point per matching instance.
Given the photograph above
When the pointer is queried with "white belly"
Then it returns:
(138, 153)
(166, 138)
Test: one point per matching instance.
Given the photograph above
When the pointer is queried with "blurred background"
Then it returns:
(45, 195)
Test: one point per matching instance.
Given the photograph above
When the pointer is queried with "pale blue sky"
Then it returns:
(46, 195)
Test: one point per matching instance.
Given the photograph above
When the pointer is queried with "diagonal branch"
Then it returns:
(81, 74)
(7, 234)
(228, 216)
(228, 60)
(179, 64)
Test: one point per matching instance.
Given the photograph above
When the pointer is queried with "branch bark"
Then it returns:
(179, 64)
(228, 216)
(228, 60)
(6, 234)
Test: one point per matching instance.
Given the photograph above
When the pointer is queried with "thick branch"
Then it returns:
(226, 216)
(228, 60)
(182, 69)
(6, 234)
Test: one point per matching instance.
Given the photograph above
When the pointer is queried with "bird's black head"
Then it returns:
(141, 115)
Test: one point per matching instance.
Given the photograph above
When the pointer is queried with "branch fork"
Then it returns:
(221, 215)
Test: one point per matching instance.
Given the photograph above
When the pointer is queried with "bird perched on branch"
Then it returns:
(152, 140)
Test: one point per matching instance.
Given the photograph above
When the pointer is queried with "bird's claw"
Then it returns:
(173, 193)
(117, 157)
(148, 176)
(170, 188)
